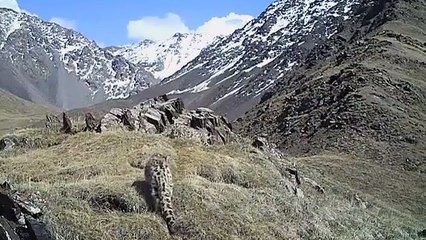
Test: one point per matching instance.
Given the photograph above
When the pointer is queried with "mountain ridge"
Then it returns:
(164, 58)
(46, 63)
(230, 75)
(366, 98)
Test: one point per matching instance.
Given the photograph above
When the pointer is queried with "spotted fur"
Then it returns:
(158, 175)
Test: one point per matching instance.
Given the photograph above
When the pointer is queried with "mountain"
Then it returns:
(365, 95)
(231, 74)
(46, 63)
(164, 58)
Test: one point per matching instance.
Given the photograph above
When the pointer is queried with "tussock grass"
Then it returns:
(221, 192)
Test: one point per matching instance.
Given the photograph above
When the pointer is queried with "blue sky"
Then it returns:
(114, 22)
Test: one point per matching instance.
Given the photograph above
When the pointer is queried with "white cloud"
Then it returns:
(156, 28)
(219, 26)
(159, 28)
(66, 23)
(12, 4)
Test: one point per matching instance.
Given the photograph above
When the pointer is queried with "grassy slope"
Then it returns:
(221, 192)
(16, 112)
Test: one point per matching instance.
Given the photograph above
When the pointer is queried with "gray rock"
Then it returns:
(52, 122)
(111, 119)
(92, 125)
(156, 118)
(27, 206)
(20, 217)
(8, 143)
(6, 231)
(168, 116)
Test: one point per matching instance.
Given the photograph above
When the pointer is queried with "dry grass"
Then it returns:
(17, 113)
(221, 192)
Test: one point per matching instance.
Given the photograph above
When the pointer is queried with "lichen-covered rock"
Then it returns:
(52, 122)
(111, 119)
(10, 142)
(20, 216)
(169, 117)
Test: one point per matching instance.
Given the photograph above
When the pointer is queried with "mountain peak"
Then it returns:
(163, 58)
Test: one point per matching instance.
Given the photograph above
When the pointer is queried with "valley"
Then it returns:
(309, 122)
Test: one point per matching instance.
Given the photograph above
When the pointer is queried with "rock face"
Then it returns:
(20, 216)
(168, 116)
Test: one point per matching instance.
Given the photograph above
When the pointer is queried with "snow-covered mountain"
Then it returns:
(46, 63)
(163, 58)
(231, 74)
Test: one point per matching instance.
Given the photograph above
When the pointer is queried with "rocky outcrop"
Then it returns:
(11, 142)
(169, 117)
(20, 216)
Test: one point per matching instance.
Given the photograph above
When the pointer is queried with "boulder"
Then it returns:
(128, 120)
(66, 124)
(178, 105)
(146, 127)
(52, 122)
(262, 143)
(92, 125)
(111, 119)
(156, 118)
(20, 217)
(198, 122)
(37, 230)
(8, 143)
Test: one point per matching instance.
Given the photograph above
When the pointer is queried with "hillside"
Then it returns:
(367, 98)
(45, 63)
(232, 74)
(92, 187)
(17, 113)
